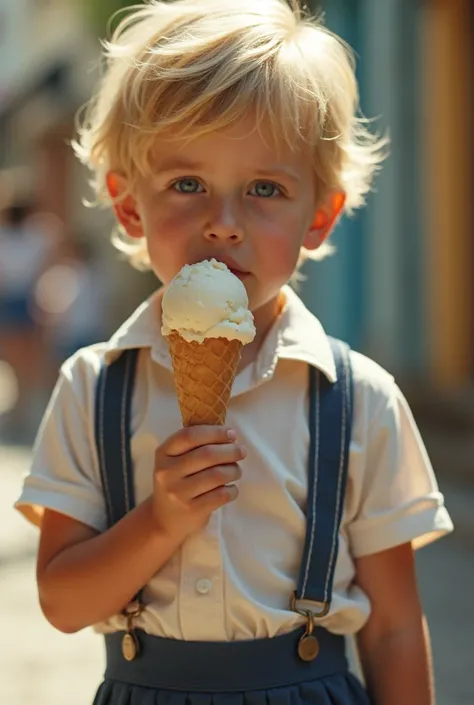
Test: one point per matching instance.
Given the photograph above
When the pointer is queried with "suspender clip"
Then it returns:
(308, 646)
(324, 607)
(130, 643)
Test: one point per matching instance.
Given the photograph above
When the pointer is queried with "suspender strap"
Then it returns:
(330, 419)
(112, 431)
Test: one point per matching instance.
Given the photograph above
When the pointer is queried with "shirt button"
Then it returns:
(203, 586)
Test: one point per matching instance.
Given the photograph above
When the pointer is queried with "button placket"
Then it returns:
(204, 586)
(201, 609)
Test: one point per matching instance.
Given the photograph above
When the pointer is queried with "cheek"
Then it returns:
(167, 232)
(164, 223)
(278, 243)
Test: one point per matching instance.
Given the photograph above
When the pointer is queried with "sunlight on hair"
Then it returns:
(183, 68)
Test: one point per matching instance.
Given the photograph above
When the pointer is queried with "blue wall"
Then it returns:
(334, 289)
(371, 293)
(412, 267)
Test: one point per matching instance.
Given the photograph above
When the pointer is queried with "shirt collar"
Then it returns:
(303, 337)
(296, 335)
(141, 330)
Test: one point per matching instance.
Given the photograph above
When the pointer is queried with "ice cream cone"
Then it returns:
(204, 374)
(206, 320)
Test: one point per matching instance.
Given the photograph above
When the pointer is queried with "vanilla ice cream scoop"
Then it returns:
(206, 300)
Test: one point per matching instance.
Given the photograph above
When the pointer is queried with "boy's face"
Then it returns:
(229, 195)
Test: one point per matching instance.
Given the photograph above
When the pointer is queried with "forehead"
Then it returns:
(245, 141)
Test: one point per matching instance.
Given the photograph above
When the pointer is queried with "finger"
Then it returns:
(187, 439)
(219, 497)
(205, 481)
(207, 457)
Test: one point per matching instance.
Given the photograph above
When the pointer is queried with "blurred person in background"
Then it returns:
(28, 240)
(71, 298)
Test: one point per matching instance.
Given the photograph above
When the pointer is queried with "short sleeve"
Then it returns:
(64, 474)
(395, 494)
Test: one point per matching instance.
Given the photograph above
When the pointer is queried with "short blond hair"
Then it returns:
(190, 67)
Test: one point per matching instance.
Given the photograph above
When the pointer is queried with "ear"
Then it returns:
(325, 220)
(125, 205)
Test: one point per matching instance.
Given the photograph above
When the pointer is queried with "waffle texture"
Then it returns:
(203, 375)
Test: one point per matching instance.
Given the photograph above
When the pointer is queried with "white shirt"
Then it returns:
(234, 579)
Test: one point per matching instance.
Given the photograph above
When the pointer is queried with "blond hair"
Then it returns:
(191, 67)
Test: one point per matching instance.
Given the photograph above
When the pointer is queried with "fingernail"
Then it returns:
(231, 435)
(243, 451)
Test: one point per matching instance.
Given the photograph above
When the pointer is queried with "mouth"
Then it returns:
(239, 273)
(233, 266)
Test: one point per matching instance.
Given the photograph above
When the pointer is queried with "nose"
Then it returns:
(224, 223)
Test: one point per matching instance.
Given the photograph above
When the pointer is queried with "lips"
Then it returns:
(234, 266)
(238, 274)
(236, 269)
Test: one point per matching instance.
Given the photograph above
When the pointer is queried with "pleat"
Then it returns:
(256, 697)
(339, 689)
(161, 696)
(113, 693)
(121, 694)
(103, 694)
(227, 699)
(281, 696)
(342, 689)
(142, 696)
(357, 691)
(199, 698)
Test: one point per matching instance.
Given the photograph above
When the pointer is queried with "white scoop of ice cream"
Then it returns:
(206, 300)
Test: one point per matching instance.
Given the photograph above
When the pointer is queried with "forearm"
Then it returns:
(95, 579)
(397, 666)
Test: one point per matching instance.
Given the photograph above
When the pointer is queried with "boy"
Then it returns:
(228, 130)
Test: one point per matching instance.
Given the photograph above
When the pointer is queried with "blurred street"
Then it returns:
(39, 665)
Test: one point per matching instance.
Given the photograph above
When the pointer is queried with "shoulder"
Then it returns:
(378, 399)
(84, 366)
(79, 374)
(369, 377)
(383, 422)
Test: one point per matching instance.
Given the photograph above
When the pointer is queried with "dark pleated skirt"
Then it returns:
(259, 672)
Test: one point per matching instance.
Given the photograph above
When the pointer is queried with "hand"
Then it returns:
(193, 476)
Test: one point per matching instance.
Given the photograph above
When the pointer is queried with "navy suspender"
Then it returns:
(330, 420)
(113, 406)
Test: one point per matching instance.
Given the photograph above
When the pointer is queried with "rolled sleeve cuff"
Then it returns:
(420, 528)
(36, 498)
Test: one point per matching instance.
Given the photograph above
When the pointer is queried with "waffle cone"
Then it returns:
(203, 375)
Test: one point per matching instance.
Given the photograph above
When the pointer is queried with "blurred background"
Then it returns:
(400, 289)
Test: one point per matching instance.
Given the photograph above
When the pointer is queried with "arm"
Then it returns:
(394, 645)
(84, 577)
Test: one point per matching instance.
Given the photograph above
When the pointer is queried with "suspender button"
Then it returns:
(308, 646)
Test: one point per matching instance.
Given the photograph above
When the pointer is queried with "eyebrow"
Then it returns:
(177, 163)
(280, 171)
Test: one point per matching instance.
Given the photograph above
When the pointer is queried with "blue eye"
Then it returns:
(265, 189)
(187, 185)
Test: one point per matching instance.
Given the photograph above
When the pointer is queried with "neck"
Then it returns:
(264, 318)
